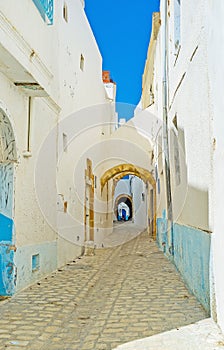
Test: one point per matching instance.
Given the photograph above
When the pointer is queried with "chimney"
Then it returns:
(106, 76)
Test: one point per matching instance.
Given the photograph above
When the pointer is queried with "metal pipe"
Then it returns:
(28, 124)
(165, 129)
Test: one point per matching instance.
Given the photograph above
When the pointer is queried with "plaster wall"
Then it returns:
(216, 81)
(43, 118)
(36, 216)
(80, 87)
(25, 42)
(123, 186)
(139, 202)
(189, 117)
(47, 256)
(29, 225)
(50, 57)
(55, 61)
(188, 91)
(85, 140)
(190, 142)
(192, 258)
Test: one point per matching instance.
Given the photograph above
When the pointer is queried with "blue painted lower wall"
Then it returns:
(7, 267)
(162, 238)
(162, 234)
(191, 257)
(45, 255)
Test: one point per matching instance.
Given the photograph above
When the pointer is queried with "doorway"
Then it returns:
(8, 158)
(89, 203)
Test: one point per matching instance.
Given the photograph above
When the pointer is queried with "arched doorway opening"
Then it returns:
(126, 199)
(119, 171)
(8, 157)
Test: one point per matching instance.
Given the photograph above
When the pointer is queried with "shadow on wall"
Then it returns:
(181, 140)
(191, 243)
(195, 211)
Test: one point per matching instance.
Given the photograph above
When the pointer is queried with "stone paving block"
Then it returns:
(12, 347)
(18, 343)
(120, 294)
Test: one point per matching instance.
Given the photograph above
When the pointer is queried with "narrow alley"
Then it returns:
(111, 182)
(98, 302)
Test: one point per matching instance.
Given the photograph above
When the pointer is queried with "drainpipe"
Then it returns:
(165, 130)
(132, 196)
(27, 153)
(28, 127)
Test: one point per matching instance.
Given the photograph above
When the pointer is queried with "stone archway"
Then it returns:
(126, 199)
(8, 157)
(119, 171)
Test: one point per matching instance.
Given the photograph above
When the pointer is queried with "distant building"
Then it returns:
(122, 121)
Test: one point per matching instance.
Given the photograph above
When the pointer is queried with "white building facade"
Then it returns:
(51, 78)
(183, 77)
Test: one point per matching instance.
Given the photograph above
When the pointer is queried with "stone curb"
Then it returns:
(203, 335)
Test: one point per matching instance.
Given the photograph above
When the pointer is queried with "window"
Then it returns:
(46, 9)
(82, 61)
(177, 5)
(35, 262)
(65, 12)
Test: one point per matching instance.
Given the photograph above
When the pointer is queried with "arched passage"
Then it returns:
(127, 200)
(119, 171)
(8, 157)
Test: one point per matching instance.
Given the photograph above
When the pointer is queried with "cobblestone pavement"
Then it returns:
(118, 295)
(122, 233)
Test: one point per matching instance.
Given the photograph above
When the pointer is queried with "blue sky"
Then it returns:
(122, 29)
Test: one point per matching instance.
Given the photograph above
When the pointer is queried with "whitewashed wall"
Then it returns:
(190, 143)
(50, 56)
(188, 93)
(140, 199)
(216, 86)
